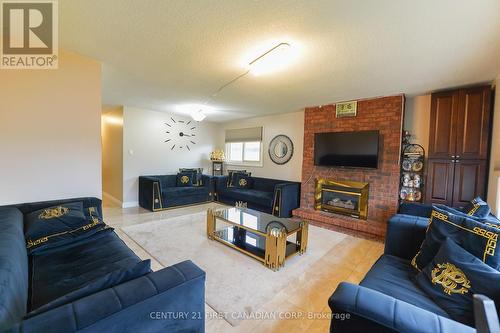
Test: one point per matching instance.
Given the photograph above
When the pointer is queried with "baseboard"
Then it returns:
(130, 204)
(112, 198)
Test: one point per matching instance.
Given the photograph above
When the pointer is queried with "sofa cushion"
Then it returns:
(59, 225)
(186, 179)
(13, 268)
(198, 172)
(250, 195)
(477, 207)
(183, 191)
(105, 281)
(242, 181)
(475, 237)
(453, 276)
(231, 176)
(392, 276)
(58, 273)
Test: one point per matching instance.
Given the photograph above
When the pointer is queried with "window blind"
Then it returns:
(244, 134)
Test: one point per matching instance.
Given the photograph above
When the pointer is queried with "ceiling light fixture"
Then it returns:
(272, 60)
(198, 115)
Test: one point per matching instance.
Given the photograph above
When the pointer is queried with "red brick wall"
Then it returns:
(384, 114)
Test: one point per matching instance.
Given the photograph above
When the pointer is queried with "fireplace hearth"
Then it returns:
(342, 197)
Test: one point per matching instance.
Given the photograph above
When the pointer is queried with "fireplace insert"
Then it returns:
(342, 197)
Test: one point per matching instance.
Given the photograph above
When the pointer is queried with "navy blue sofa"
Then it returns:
(138, 305)
(387, 300)
(160, 192)
(273, 196)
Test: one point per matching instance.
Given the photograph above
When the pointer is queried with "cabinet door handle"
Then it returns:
(452, 156)
(458, 156)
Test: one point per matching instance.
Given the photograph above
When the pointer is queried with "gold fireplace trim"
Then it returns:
(348, 187)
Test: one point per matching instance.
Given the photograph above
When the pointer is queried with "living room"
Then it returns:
(248, 166)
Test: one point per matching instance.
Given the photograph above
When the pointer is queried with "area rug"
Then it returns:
(235, 283)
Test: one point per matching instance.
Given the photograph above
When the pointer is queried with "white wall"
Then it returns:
(290, 124)
(146, 153)
(493, 184)
(417, 119)
(50, 123)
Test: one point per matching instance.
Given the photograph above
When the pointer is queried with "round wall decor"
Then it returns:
(281, 149)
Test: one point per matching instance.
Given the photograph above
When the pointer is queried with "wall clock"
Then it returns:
(181, 134)
(281, 149)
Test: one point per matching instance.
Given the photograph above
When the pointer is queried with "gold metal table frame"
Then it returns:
(277, 248)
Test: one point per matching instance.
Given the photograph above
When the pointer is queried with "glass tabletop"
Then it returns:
(255, 220)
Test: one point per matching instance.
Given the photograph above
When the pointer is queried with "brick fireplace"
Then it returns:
(384, 114)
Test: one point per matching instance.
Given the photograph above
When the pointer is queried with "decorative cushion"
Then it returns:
(198, 174)
(242, 181)
(186, 179)
(233, 173)
(477, 207)
(105, 281)
(58, 225)
(475, 237)
(453, 276)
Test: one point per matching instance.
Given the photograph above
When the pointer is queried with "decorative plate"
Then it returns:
(417, 166)
(406, 165)
(280, 149)
(418, 195)
(403, 194)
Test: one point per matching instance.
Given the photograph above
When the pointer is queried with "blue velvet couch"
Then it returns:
(273, 196)
(160, 192)
(138, 305)
(387, 300)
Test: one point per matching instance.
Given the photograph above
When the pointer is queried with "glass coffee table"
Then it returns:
(262, 236)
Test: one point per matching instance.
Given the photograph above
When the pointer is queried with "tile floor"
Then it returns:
(347, 261)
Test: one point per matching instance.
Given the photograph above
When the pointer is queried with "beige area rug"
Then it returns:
(235, 283)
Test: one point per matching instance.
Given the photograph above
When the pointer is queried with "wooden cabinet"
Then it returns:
(458, 145)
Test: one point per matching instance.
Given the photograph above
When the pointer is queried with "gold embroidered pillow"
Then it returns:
(475, 237)
(453, 276)
(477, 207)
(58, 225)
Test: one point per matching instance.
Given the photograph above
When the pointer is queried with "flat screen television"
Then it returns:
(347, 149)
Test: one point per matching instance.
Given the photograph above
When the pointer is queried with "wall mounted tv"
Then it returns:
(347, 149)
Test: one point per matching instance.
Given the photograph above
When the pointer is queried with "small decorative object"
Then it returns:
(181, 134)
(412, 167)
(346, 109)
(280, 149)
(406, 138)
(217, 155)
(240, 204)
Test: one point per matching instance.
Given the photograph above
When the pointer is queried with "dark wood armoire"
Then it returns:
(459, 140)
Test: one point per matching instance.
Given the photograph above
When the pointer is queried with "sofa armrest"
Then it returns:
(386, 313)
(150, 193)
(220, 183)
(209, 183)
(416, 209)
(405, 234)
(151, 303)
(286, 199)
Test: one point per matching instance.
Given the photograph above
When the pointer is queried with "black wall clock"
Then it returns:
(181, 134)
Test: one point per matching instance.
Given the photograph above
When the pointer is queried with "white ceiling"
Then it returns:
(158, 54)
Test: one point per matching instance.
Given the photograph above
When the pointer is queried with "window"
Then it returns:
(243, 152)
(244, 146)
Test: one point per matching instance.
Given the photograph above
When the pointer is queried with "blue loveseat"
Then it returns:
(387, 300)
(273, 196)
(160, 192)
(28, 282)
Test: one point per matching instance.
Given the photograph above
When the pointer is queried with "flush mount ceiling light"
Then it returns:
(196, 111)
(272, 60)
